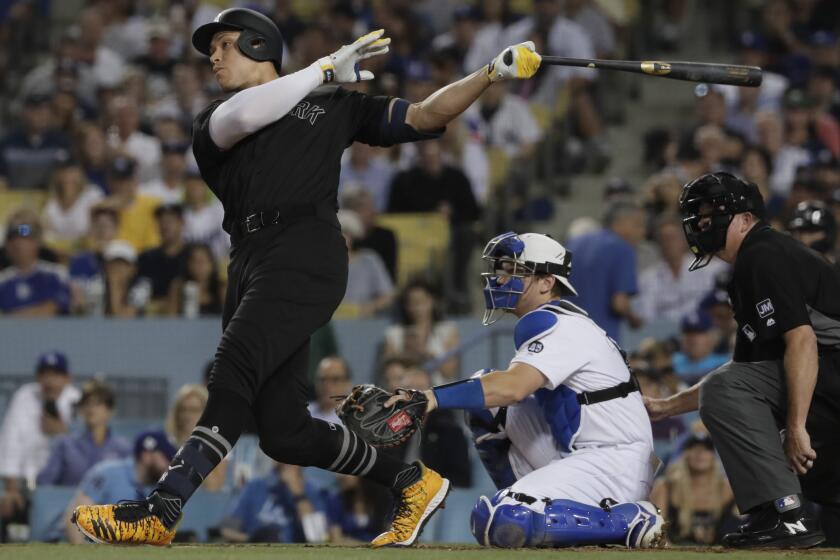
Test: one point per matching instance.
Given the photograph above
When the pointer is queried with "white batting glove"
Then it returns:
(342, 66)
(515, 62)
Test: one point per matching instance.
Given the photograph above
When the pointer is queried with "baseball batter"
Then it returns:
(271, 153)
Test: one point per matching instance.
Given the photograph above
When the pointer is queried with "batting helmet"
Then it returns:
(708, 204)
(815, 216)
(259, 39)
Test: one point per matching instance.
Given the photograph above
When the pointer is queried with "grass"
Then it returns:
(422, 552)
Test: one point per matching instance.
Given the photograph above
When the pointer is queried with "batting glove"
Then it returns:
(515, 62)
(342, 66)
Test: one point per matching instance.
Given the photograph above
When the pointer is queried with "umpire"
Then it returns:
(271, 153)
(785, 373)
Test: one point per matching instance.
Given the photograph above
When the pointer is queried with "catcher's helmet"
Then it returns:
(708, 204)
(512, 256)
(259, 40)
(815, 216)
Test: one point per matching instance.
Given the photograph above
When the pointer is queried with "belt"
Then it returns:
(285, 216)
(619, 391)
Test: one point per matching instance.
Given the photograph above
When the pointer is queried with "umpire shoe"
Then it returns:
(130, 522)
(415, 505)
(768, 528)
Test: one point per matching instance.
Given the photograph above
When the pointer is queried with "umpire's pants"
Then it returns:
(744, 404)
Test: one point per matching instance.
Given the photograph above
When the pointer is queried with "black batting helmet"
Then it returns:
(259, 40)
(708, 204)
(815, 216)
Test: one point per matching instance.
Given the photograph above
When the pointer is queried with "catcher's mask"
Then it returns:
(708, 204)
(512, 257)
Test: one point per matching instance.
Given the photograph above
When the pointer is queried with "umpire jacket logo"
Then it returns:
(749, 332)
(765, 308)
(307, 112)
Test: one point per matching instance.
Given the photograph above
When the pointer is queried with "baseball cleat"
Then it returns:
(415, 506)
(125, 523)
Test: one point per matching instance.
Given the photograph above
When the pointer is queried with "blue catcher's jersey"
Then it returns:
(575, 355)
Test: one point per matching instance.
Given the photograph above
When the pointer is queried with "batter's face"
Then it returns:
(233, 70)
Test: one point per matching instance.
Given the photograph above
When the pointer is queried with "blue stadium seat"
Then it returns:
(204, 511)
(46, 516)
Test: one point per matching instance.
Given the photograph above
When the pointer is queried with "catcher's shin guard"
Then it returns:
(506, 523)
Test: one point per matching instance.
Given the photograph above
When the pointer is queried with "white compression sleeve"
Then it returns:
(249, 110)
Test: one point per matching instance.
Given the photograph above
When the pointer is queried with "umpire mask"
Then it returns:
(708, 204)
(510, 258)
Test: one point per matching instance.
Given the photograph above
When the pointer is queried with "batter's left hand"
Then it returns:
(798, 450)
(515, 62)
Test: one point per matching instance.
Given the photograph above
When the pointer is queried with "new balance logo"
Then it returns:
(307, 112)
(797, 527)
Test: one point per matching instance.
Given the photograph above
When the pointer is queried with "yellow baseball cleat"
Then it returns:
(416, 505)
(124, 523)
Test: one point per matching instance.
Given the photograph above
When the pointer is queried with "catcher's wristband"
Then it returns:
(467, 394)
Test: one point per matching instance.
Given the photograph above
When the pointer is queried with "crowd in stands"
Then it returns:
(104, 213)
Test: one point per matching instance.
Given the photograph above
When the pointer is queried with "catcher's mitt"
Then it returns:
(362, 411)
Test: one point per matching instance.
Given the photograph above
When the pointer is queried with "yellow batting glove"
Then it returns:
(515, 62)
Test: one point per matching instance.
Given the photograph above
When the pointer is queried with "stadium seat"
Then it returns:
(46, 515)
(422, 242)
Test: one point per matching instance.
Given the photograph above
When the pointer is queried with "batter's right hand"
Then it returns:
(658, 409)
(342, 66)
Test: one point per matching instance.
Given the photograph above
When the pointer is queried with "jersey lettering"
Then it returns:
(307, 112)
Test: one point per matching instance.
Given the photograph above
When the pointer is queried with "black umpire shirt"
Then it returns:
(779, 284)
(293, 161)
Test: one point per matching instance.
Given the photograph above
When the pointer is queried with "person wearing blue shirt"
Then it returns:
(279, 507)
(604, 262)
(697, 356)
(27, 155)
(356, 511)
(123, 479)
(31, 287)
(74, 455)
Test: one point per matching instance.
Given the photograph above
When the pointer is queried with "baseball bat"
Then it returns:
(731, 74)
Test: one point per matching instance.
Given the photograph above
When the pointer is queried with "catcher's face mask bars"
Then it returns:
(504, 283)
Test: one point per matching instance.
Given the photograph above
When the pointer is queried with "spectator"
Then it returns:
(169, 187)
(198, 290)
(87, 285)
(66, 214)
(377, 238)
(31, 287)
(125, 294)
(694, 494)
(74, 455)
(28, 153)
(137, 211)
(667, 290)
(276, 508)
(157, 62)
(697, 356)
(164, 263)
(93, 155)
(181, 420)
(332, 379)
(588, 15)
(124, 136)
(356, 511)
(505, 122)
(655, 374)
(203, 215)
(367, 168)
(125, 479)
(716, 305)
(423, 334)
(369, 287)
(605, 264)
(38, 411)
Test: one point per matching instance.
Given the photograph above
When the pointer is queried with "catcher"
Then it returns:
(563, 431)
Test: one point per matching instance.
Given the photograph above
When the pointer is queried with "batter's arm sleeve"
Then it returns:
(251, 109)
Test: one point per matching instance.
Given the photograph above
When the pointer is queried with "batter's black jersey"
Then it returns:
(779, 284)
(293, 161)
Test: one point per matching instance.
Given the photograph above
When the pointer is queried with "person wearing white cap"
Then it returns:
(125, 294)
